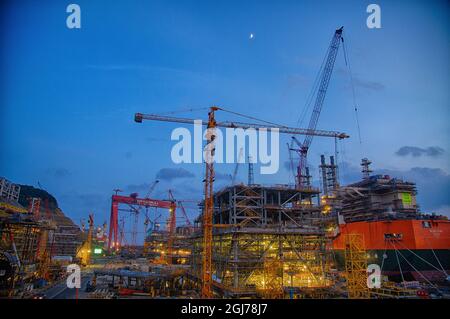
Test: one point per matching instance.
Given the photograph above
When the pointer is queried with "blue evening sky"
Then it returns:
(68, 96)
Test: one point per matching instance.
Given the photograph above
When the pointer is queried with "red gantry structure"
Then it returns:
(113, 241)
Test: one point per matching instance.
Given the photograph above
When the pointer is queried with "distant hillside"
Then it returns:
(27, 191)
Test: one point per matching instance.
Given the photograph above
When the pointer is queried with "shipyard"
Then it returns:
(287, 202)
(266, 242)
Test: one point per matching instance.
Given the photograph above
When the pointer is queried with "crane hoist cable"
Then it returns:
(312, 93)
(303, 177)
(352, 84)
(291, 160)
(250, 117)
(192, 109)
(226, 111)
(239, 159)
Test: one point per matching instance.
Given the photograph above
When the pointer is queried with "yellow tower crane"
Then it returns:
(212, 124)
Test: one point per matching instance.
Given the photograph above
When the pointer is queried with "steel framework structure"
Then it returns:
(265, 239)
(262, 206)
(250, 263)
(21, 238)
(356, 266)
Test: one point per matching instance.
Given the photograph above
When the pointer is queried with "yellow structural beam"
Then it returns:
(356, 266)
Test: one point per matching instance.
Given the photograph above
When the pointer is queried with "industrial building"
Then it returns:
(35, 240)
(378, 197)
(266, 238)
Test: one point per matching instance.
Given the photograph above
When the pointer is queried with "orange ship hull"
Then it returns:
(420, 247)
(414, 233)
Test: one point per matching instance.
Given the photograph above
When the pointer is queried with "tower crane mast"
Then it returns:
(209, 206)
(302, 179)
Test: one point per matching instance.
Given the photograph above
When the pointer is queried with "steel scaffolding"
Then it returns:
(356, 266)
(267, 207)
(265, 262)
(265, 239)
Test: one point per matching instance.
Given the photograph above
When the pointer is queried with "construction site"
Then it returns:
(248, 240)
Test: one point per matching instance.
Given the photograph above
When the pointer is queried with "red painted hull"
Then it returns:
(414, 234)
(419, 247)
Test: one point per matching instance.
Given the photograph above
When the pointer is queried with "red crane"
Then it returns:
(113, 240)
(303, 178)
